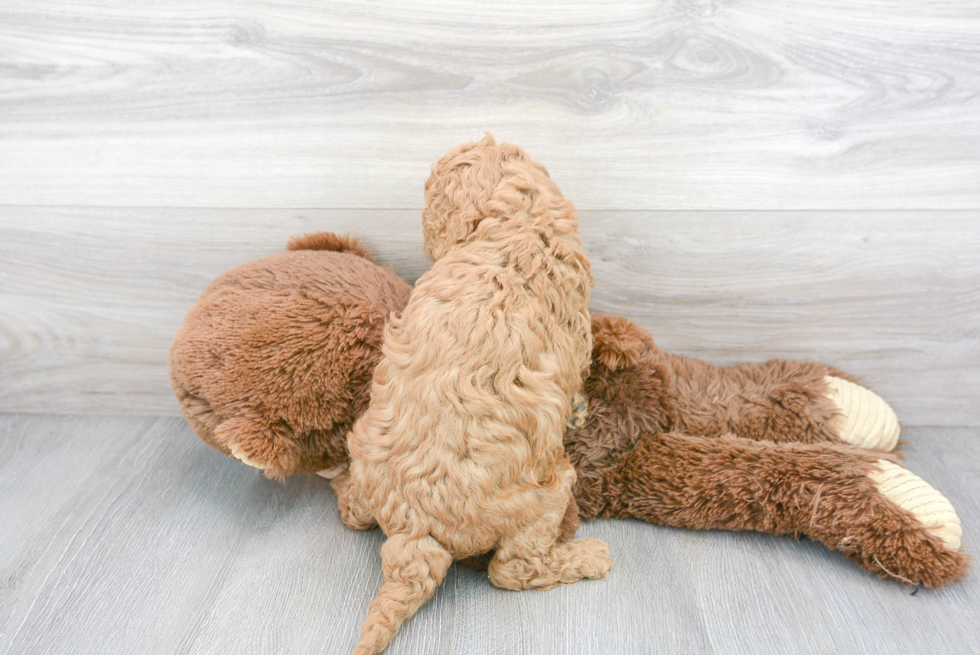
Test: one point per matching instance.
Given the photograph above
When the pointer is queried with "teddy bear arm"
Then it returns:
(271, 448)
(852, 500)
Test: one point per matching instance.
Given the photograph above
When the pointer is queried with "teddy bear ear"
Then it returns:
(617, 342)
(329, 241)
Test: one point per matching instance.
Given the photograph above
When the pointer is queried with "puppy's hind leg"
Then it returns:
(413, 569)
(532, 560)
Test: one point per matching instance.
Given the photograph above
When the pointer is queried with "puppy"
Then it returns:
(460, 451)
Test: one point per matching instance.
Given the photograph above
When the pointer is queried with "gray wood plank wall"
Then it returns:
(756, 180)
(663, 104)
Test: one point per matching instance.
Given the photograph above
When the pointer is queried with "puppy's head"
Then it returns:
(476, 181)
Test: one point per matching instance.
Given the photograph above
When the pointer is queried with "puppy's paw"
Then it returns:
(580, 412)
(591, 557)
(865, 420)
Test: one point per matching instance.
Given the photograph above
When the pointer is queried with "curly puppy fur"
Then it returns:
(460, 451)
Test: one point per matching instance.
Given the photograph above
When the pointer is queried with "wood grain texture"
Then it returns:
(670, 104)
(130, 535)
(91, 298)
(147, 147)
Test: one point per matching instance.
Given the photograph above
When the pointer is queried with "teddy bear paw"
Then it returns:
(928, 506)
(866, 420)
(330, 474)
(245, 458)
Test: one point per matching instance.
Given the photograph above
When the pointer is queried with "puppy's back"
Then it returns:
(471, 397)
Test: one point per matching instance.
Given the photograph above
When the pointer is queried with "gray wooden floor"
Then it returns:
(129, 535)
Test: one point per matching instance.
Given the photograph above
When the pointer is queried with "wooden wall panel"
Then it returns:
(91, 298)
(694, 104)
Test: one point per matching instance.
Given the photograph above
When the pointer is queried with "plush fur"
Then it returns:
(460, 450)
(768, 459)
(273, 363)
(660, 442)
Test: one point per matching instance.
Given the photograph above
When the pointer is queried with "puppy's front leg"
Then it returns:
(354, 515)
(580, 411)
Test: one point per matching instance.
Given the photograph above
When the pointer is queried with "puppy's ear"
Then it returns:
(617, 342)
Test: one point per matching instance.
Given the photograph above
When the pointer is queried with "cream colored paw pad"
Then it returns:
(244, 459)
(866, 419)
(330, 474)
(580, 411)
(912, 493)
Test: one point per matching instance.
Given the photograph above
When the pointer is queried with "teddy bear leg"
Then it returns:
(864, 419)
(270, 449)
(861, 503)
(783, 401)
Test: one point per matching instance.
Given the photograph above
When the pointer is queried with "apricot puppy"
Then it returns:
(460, 451)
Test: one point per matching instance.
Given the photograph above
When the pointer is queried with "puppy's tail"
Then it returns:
(413, 569)
(329, 241)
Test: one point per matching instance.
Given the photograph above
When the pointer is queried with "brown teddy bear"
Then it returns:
(274, 363)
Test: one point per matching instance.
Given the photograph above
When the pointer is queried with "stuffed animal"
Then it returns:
(274, 363)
